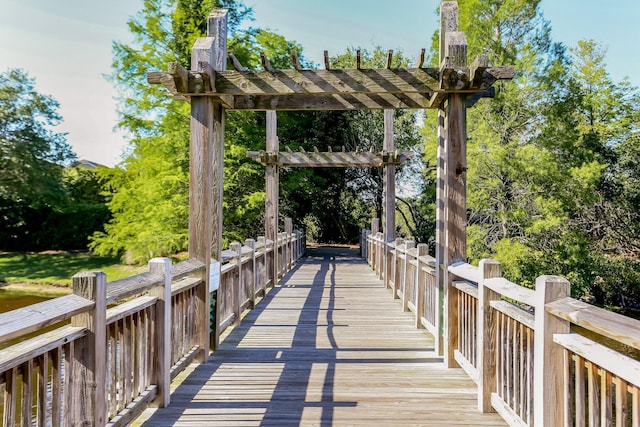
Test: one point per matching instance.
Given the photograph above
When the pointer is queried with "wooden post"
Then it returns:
(288, 229)
(453, 179)
(548, 357)
(263, 274)
(272, 174)
(407, 287)
(395, 264)
(89, 397)
(250, 243)
(162, 371)
(237, 281)
(389, 211)
(206, 163)
(389, 187)
(420, 287)
(448, 23)
(486, 339)
(375, 228)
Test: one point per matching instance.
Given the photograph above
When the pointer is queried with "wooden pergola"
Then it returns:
(211, 90)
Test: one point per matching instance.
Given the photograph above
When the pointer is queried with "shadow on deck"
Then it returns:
(328, 346)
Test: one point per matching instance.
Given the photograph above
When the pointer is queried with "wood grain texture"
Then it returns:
(329, 159)
(548, 356)
(604, 322)
(486, 335)
(20, 322)
(328, 346)
(389, 185)
(339, 81)
(89, 372)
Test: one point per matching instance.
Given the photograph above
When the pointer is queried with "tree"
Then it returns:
(149, 195)
(32, 157)
(32, 153)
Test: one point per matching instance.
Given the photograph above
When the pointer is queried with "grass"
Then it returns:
(55, 269)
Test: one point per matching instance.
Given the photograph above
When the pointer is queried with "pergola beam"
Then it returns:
(328, 159)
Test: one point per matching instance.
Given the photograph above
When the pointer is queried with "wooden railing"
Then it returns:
(113, 348)
(538, 356)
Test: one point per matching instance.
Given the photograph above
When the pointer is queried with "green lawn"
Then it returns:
(58, 268)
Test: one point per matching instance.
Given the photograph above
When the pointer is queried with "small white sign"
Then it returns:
(214, 276)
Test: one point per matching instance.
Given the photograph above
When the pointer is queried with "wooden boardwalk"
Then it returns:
(329, 346)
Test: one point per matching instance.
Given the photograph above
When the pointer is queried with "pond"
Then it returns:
(11, 301)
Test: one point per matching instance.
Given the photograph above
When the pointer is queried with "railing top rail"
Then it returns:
(466, 271)
(511, 290)
(28, 319)
(604, 322)
(182, 269)
(130, 286)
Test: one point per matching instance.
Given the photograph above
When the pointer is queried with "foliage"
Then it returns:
(32, 153)
(148, 195)
(552, 180)
(43, 205)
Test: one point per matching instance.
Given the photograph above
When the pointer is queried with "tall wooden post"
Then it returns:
(448, 23)
(206, 162)
(454, 180)
(389, 210)
(273, 193)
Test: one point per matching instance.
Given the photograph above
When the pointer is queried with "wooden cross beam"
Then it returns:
(329, 159)
(332, 89)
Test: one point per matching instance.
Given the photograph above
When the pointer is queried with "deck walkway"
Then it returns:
(328, 346)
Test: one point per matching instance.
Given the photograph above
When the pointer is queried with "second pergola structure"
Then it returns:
(212, 89)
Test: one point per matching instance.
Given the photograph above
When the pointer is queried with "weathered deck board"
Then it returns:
(329, 346)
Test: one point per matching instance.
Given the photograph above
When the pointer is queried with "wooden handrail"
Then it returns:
(139, 317)
(604, 322)
(511, 330)
(20, 322)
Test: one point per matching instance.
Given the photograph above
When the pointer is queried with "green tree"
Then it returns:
(32, 155)
(148, 196)
(32, 152)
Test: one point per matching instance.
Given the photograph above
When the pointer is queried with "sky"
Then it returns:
(66, 45)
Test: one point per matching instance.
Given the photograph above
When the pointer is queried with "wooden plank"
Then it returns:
(466, 287)
(186, 268)
(619, 365)
(18, 354)
(512, 291)
(329, 159)
(514, 312)
(314, 350)
(326, 82)
(305, 102)
(272, 185)
(32, 318)
(128, 308)
(604, 322)
(130, 286)
(389, 184)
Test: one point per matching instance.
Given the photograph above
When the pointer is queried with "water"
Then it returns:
(12, 301)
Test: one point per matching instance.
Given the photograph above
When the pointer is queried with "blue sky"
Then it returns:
(66, 45)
